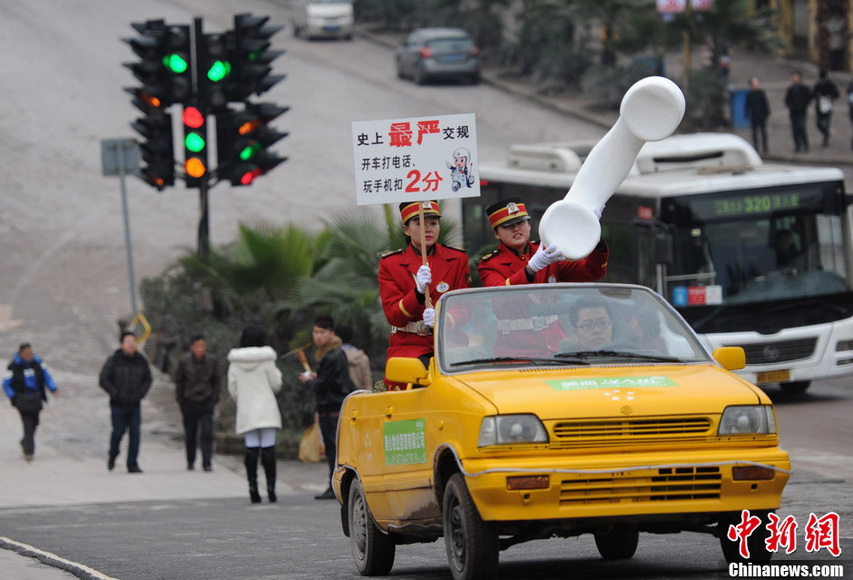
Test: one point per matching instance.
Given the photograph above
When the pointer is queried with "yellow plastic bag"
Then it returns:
(309, 446)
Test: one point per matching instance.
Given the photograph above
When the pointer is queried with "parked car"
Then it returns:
(433, 53)
(557, 410)
(323, 19)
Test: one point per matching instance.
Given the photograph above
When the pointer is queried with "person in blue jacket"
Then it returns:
(24, 382)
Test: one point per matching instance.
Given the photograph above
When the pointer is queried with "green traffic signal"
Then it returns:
(175, 63)
(218, 70)
(194, 142)
(249, 151)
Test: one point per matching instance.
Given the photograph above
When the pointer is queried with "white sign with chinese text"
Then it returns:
(415, 159)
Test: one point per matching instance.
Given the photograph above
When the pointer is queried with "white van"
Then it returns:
(323, 19)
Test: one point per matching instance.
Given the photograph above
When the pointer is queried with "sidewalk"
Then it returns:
(66, 470)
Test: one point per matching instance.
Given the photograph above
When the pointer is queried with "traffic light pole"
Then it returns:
(203, 225)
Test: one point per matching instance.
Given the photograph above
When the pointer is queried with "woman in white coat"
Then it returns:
(253, 381)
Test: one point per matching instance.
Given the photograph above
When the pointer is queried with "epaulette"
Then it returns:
(390, 253)
(490, 255)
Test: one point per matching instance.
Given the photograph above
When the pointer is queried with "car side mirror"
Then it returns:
(731, 358)
(407, 370)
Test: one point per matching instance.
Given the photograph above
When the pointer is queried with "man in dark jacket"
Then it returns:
(757, 111)
(197, 385)
(331, 384)
(126, 377)
(24, 383)
(797, 99)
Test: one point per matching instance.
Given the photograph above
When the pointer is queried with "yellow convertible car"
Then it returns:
(553, 411)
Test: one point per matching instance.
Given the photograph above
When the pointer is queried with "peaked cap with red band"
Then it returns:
(507, 212)
(410, 210)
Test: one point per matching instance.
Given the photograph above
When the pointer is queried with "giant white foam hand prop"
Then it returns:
(650, 110)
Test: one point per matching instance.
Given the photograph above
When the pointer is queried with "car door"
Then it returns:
(390, 449)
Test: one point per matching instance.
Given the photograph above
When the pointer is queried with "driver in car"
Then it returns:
(592, 322)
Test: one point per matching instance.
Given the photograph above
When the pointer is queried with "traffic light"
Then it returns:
(157, 149)
(195, 146)
(243, 141)
(251, 57)
(214, 68)
(165, 67)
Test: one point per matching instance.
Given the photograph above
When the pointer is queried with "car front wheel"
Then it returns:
(372, 550)
(618, 543)
(472, 544)
(755, 542)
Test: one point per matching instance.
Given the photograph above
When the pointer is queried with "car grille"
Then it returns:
(665, 484)
(626, 431)
(781, 351)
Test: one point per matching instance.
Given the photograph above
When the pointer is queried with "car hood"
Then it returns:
(638, 391)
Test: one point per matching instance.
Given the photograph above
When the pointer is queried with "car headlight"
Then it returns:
(747, 419)
(509, 429)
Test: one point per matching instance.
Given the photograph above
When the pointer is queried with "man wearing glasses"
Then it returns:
(591, 319)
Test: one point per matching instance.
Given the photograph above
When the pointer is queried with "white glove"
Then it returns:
(598, 211)
(429, 317)
(545, 256)
(423, 278)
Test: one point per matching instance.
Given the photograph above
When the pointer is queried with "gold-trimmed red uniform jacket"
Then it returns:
(503, 267)
(398, 293)
(520, 330)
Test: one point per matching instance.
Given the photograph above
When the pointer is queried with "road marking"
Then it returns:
(79, 570)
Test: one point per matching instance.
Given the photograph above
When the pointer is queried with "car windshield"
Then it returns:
(561, 324)
(450, 44)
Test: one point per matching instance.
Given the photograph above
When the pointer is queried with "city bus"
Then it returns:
(751, 254)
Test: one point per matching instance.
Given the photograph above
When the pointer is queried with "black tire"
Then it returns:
(618, 543)
(475, 79)
(758, 553)
(795, 388)
(472, 544)
(419, 76)
(372, 550)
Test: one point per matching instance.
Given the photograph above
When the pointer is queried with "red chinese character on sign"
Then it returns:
(743, 530)
(823, 533)
(782, 536)
(432, 179)
(425, 127)
(401, 135)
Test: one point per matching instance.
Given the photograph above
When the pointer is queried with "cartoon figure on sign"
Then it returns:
(460, 170)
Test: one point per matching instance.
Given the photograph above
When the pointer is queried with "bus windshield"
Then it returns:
(760, 246)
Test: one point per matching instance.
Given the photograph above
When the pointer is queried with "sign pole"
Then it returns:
(424, 260)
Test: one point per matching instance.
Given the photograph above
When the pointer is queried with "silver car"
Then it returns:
(432, 53)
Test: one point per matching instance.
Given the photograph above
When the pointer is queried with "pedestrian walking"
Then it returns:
(331, 384)
(797, 99)
(197, 386)
(126, 377)
(359, 364)
(253, 381)
(757, 111)
(850, 105)
(825, 94)
(24, 382)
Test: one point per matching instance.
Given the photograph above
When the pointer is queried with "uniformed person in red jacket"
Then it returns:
(517, 261)
(404, 281)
